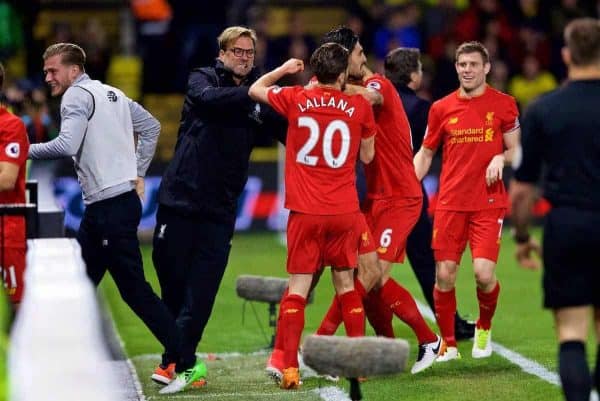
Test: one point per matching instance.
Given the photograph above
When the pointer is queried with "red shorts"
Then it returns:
(391, 221)
(13, 269)
(452, 230)
(315, 241)
(367, 244)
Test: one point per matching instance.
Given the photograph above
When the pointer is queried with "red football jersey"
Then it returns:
(471, 130)
(14, 146)
(325, 127)
(392, 173)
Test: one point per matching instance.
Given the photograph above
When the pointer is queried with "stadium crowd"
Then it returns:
(522, 36)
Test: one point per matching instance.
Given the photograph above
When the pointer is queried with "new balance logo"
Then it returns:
(112, 96)
(290, 311)
(356, 311)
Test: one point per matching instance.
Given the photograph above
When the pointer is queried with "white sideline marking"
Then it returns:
(207, 356)
(136, 379)
(524, 363)
(331, 393)
(236, 396)
(132, 370)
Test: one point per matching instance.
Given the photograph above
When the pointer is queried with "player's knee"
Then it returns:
(369, 271)
(485, 278)
(445, 275)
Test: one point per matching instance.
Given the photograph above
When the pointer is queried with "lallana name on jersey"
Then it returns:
(331, 102)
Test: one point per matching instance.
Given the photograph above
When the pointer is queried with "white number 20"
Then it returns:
(332, 161)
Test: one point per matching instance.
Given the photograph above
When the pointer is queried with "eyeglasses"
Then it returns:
(239, 52)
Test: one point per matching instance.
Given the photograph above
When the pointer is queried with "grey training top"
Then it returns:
(97, 129)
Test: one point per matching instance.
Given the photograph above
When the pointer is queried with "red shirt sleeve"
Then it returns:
(281, 98)
(433, 133)
(369, 126)
(510, 116)
(14, 144)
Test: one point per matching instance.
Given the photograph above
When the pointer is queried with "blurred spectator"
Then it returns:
(400, 29)
(40, 126)
(30, 103)
(438, 24)
(498, 76)
(93, 40)
(257, 19)
(297, 43)
(530, 42)
(11, 30)
(153, 18)
(62, 32)
(531, 82)
(196, 24)
(564, 12)
(531, 13)
(473, 23)
(560, 16)
(445, 79)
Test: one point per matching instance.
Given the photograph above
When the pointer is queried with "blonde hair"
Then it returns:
(233, 33)
(70, 52)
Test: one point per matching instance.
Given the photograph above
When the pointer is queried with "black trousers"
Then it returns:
(190, 256)
(420, 254)
(108, 239)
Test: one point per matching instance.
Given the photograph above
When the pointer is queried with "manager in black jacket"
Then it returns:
(403, 67)
(199, 191)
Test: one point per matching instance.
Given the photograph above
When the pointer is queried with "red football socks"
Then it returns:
(292, 324)
(333, 318)
(487, 306)
(353, 313)
(380, 315)
(278, 334)
(445, 309)
(404, 306)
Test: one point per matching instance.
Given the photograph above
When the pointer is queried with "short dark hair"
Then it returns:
(329, 61)
(342, 36)
(582, 38)
(400, 63)
(473, 47)
(70, 53)
(1, 75)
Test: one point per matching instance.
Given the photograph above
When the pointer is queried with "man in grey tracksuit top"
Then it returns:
(97, 129)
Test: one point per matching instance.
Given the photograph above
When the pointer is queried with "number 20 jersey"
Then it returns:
(325, 128)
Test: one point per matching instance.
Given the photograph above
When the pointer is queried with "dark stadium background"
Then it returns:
(147, 51)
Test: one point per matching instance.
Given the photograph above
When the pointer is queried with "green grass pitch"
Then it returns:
(520, 324)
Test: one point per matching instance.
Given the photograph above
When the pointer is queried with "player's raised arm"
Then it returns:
(373, 97)
(258, 90)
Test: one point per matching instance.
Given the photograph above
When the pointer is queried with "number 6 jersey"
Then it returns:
(325, 128)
